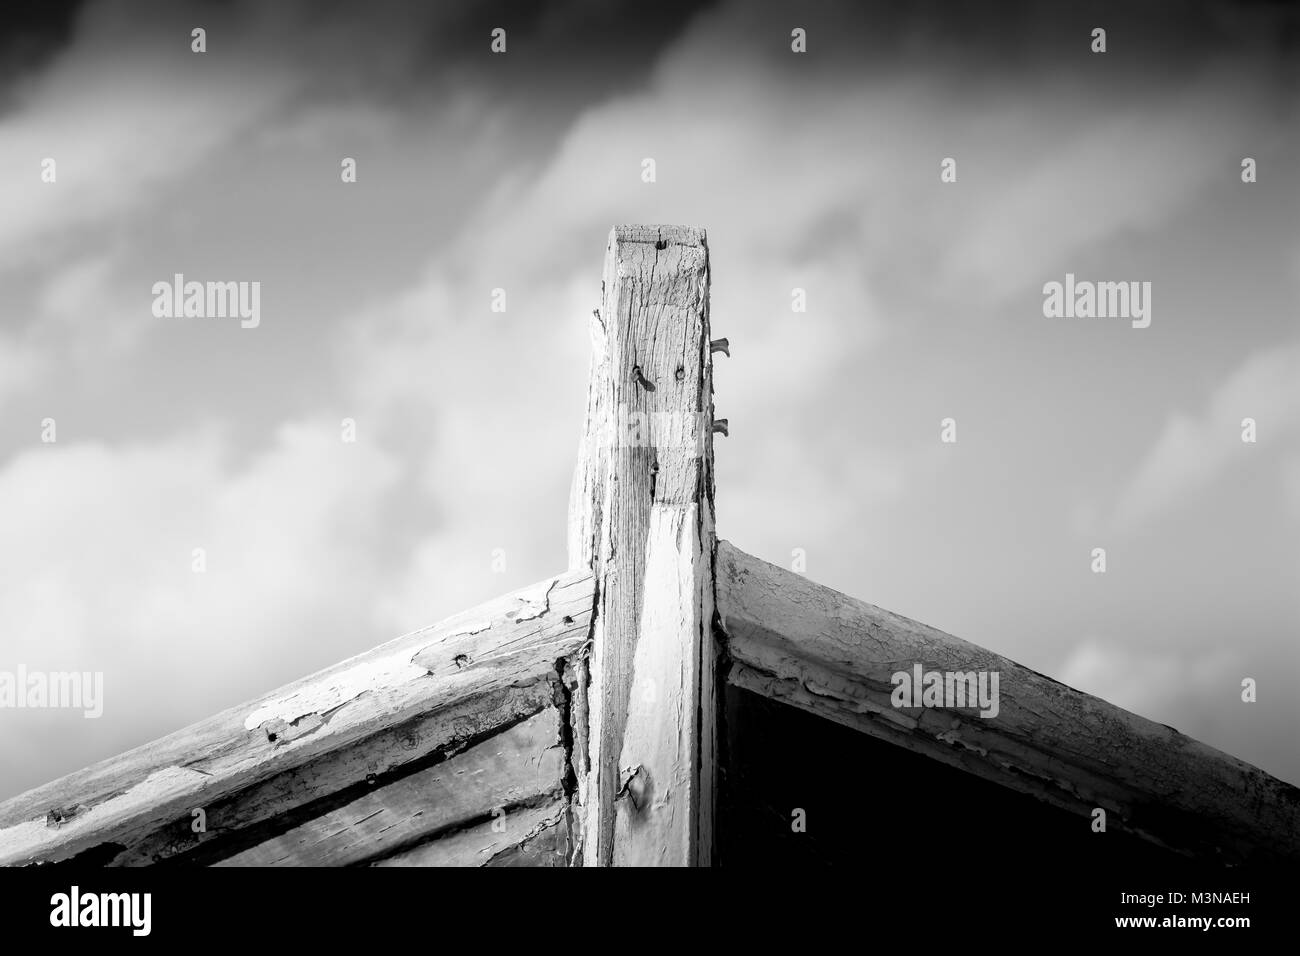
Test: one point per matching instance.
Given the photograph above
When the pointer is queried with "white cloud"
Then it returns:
(1191, 453)
(1291, 486)
(486, 409)
(1169, 685)
(21, 365)
(1091, 173)
(1197, 690)
(96, 558)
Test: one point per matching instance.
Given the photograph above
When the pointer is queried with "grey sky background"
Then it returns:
(818, 171)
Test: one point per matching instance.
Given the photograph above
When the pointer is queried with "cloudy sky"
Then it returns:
(477, 171)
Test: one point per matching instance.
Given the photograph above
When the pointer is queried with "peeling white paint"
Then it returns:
(332, 690)
(536, 601)
(954, 737)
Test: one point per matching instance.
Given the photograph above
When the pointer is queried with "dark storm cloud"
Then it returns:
(31, 31)
(563, 56)
(576, 52)
(1027, 40)
(573, 52)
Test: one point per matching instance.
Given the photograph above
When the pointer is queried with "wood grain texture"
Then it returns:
(250, 816)
(505, 645)
(641, 515)
(493, 842)
(546, 846)
(521, 764)
(806, 645)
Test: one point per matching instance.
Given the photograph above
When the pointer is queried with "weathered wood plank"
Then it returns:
(511, 642)
(487, 842)
(641, 515)
(804, 644)
(522, 763)
(547, 847)
(249, 816)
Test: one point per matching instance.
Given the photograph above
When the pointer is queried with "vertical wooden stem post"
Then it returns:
(641, 516)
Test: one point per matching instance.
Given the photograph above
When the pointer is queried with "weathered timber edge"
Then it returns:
(803, 644)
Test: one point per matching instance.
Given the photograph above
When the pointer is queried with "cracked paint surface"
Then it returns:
(335, 690)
